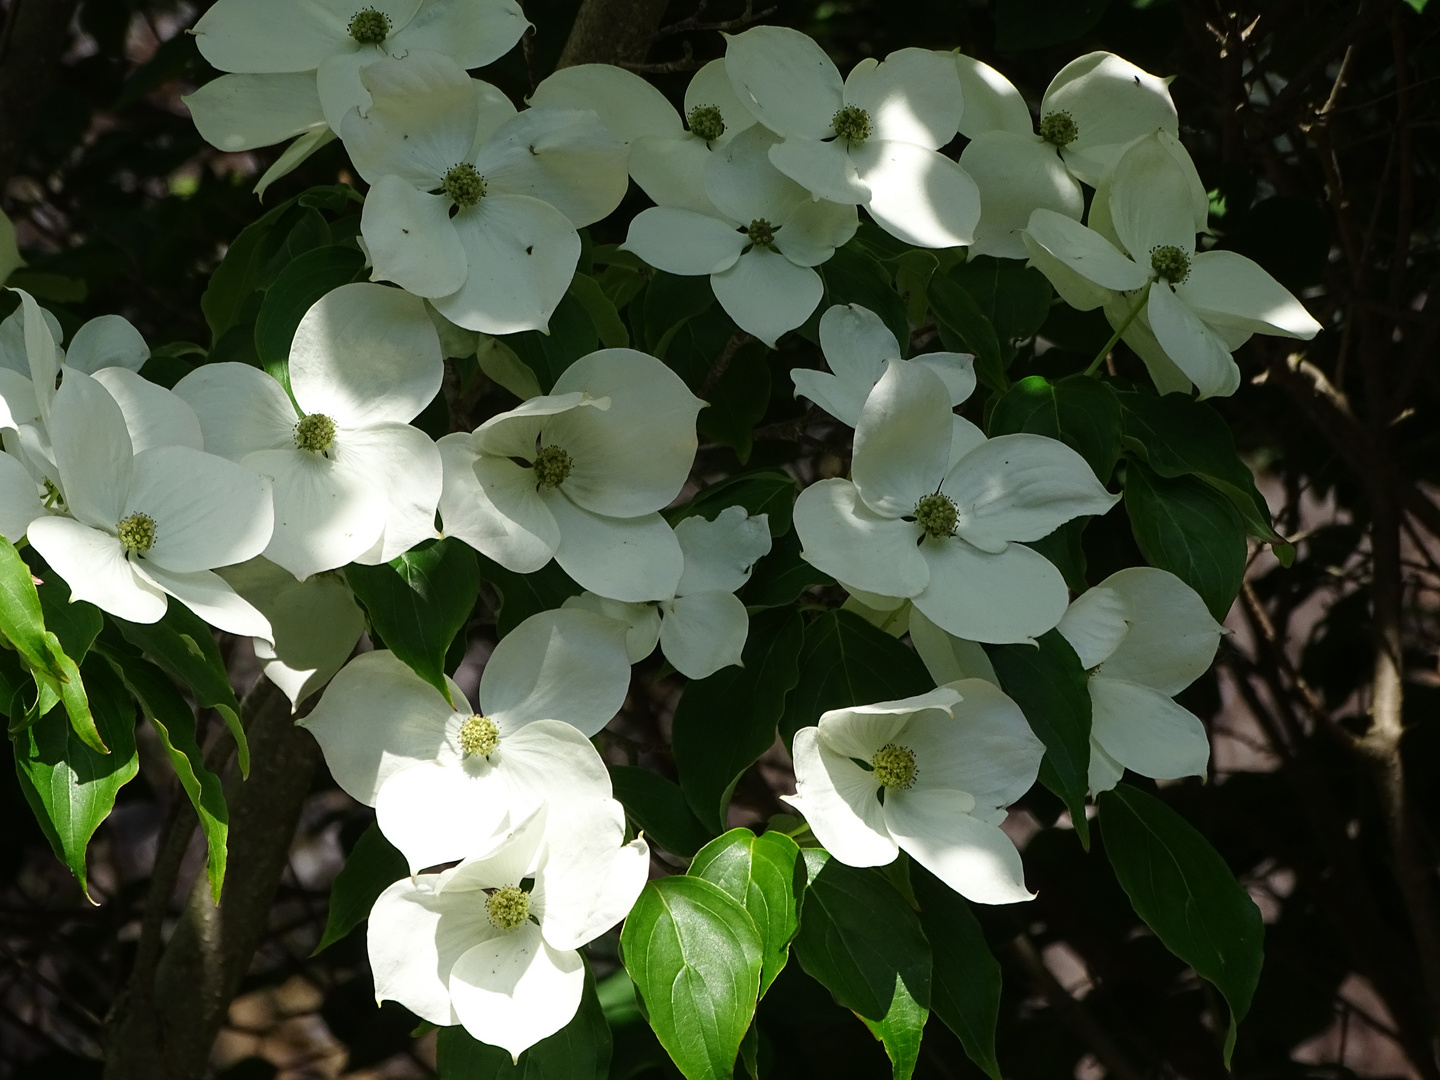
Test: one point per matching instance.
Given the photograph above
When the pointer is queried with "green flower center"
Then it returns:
(136, 533)
(1170, 263)
(370, 27)
(1058, 128)
(315, 433)
(464, 185)
(706, 122)
(894, 766)
(508, 907)
(852, 125)
(552, 466)
(761, 233)
(479, 735)
(936, 514)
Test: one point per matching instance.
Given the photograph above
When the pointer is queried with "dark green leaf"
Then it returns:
(578, 1051)
(781, 576)
(1186, 526)
(695, 956)
(22, 620)
(738, 400)
(726, 721)
(603, 316)
(1081, 412)
(658, 808)
(964, 326)
(75, 622)
(1013, 296)
(669, 302)
(523, 595)
(572, 335)
(765, 874)
(846, 661)
(372, 867)
(1038, 24)
(1050, 686)
(1065, 549)
(965, 991)
(763, 491)
(295, 290)
(419, 602)
(1181, 887)
(854, 277)
(245, 267)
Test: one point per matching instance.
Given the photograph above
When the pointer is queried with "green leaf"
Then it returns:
(658, 808)
(372, 867)
(846, 661)
(163, 706)
(964, 326)
(669, 302)
(766, 875)
(695, 955)
(1065, 548)
(781, 576)
(572, 335)
(1013, 296)
(1038, 24)
(419, 602)
(965, 987)
(250, 262)
(861, 941)
(601, 309)
(1183, 890)
(726, 721)
(294, 291)
(578, 1051)
(738, 400)
(182, 645)
(1187, 527)
(22, 620)
(70, 787)
(71, 630)
(1050, 686)
(523, 595)
(761, 491)
(1081, 412)
(854, 277)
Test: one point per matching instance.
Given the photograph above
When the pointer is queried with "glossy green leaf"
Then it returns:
(523, 595)
(1065, 548)
(738, 400)
(964, 326)
(607, 322)
(1186, 526)
(1013, 296)
(695, 955)
(293, 292)
(780, 577)
(250, 262)
(852, 276)
(70, 787)
(766, 875)
(1081, 412)
(965, 986)
(762, 491)
(658, 808)
(572, 335)
(578, 1051)
(1050, 686)
(846, 661)
(419, 602)
(22, 621)
(372, 866)
(668, 303)
(1179, 884)
(726, 721)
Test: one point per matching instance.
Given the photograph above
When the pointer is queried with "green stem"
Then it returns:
(1134, 311)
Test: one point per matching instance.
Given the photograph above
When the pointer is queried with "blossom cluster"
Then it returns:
(244, 498)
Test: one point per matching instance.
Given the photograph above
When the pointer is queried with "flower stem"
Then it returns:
(1105, 351)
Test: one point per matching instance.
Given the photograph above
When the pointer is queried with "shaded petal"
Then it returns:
(914, 96)
(974, 858)
(1230, 290)
(844, 538)
(1172, 638)
(364, 354)
(766, 294)
(1168, 378)
(1113, 103)
(1105, 771)
(282, 35)
(560, 156)
(403, 462)
(20, 502)
(414, 938)
(1095, 623)
(293, 156)
(1016, 175)
(491, 504)
(784, 79)
(917, 195)
(411, 239)
(986, 749)
(474, 32)
(514, 989)
(208, 511)
(902, 440)
(208, 595)
(94, 565)
(627, 104)
(947, 657)
(684, 242)
(702, 632)
(154, 416)
(856, 343)
(1145, 731)
(635, 558)
(842, 400)
(1194, 347)
(437, 813)
(711, 86)
(991, 101)
(672, 171)
(641, 621)
(1008, 597)
(242, 410)
(828, 170)
(41, 344)
(92, 450)
(840, 801)
(1150, 201)
(956, 371)
(1084, 252)
(108, 341)
(814, 229)
(242, 112)
(860, 731)
(420, 123)
(604, 891)
(719, 554)
(741, 181)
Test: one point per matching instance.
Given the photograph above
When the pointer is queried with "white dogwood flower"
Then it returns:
(1092, 110)
(579, 475)
(759, 249)
(1197, 306)
(930, 775)
(353, 480)
(668, 154)
(856, 344)
(1143, 635)
(933, 508)
(442, 777)
(471, 204)
(492, 943)
(870, 139)
(149, 524)
(703, 627)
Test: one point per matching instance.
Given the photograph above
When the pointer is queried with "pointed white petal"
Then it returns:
(414, 938)
(918, 195)
(641, 621)
(840, 801)
(914, 96)
(686, 242)
(1105, 771)
(403, 462)
(108, 341)
(514, 990)
(208, 595)
(94, 565)
(1172, 638)
(902, 441)
(719, 554)
(635, 558)
(1095, 623)
(856, 343)
(991, 101)
(241, 409)
(437, 813)
(701, 632)
(1083, 251)
(629, 106)
(766, 294)
(1168, 378)
(420, 123)
(208, 511)
(92, 450)
(1229, 290)
(1196, 349)
(1001, 598)
(242, 112)
(19, 500)
(475, 32)
(411, 239)
(154, 416)
(552, 764)
(491, 504)
(784, 79)
(1016, 175)
(672, 171)
(974, 858)
(281, 35)
(1150, 202)
(1145, 730)
(577, 916)
(843, 537)
(986, 749)
(741, 181)
(828, 170)
(947, 657)
(1113, 103)
(564, 157)
(956, 371)
(563, 664)
(814, 229)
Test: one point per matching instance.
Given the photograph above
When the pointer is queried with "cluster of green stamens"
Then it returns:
(315, 433)
(852, 125)
(136, 533)
(479, 735)
(706, 122)
(508, 907)
(894, 766)
(1170, 263)
(937, 516)
(761, 233)
(552, 466)
(370, 27)
(464, 185)
(1058, 128)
